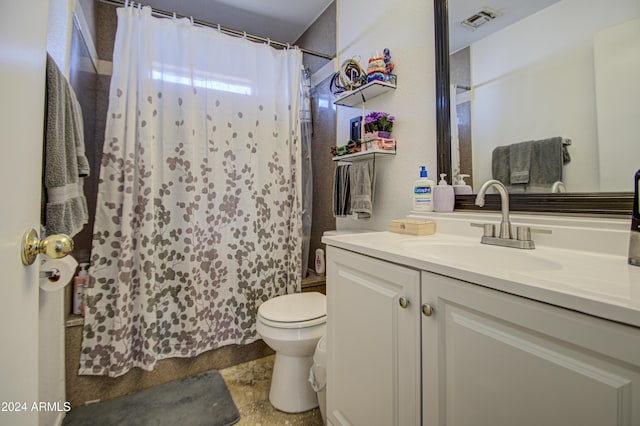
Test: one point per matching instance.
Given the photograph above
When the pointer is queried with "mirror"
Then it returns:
(534, 71)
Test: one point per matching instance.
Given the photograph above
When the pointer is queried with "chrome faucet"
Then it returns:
(505, 225)
(523, 233)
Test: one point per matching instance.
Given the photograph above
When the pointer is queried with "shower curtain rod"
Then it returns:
(231, 31)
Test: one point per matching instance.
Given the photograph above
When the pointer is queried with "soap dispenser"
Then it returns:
(460, 187)
(443, 196)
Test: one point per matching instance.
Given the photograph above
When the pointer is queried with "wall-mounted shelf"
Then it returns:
(365, 93)
(364, 154)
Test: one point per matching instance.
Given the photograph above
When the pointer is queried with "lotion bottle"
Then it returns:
(320, 266)
(423, 192)
(443, 196)
(80, 282)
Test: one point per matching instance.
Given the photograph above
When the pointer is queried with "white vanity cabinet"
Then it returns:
(373, 332)
(491, 358)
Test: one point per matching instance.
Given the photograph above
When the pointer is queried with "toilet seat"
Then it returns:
(298, 324)
(297, 310)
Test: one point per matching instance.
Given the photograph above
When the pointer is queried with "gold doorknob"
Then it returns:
(54, 246)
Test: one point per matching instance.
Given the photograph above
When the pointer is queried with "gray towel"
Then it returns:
(500, 168)
(519, 163)
(362, 182)
(64, 160)
(341, 191)
(546, 162)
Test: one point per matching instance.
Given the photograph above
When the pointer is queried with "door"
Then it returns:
(491, 358)
(23, 26)
(373, 339)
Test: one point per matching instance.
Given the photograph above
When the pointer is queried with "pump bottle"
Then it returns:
(443, 196)
(80, 283)
(460, 187)
(423, 192)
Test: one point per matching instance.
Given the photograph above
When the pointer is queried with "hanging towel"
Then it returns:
(362, 181)
(341, 191)
(500, 164)
(546, 163)
(519, 163)
(65, 163)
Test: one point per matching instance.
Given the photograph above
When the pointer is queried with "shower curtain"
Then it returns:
(199, 214)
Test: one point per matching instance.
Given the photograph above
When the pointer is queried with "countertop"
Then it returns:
(598, 284)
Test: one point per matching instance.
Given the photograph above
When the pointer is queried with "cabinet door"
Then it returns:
(490, 358)
(373, 342)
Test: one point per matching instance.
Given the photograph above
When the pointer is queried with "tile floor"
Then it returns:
(248, 384)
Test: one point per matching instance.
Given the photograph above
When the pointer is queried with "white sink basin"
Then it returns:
(482, 255)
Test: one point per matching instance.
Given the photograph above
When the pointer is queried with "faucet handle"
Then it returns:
(523, 233)
(489, 228)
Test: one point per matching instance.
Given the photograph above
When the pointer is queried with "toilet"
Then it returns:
(292, 325)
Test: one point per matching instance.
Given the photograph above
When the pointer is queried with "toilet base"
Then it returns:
(290, 389)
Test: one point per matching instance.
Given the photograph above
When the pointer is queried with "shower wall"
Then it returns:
(101, 20)
(321, 37)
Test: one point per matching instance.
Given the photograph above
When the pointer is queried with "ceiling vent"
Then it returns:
(480, 18)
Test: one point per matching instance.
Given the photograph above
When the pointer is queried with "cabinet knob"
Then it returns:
(404, 302)
(427, 310)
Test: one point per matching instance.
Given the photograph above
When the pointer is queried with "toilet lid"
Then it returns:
(295, 307)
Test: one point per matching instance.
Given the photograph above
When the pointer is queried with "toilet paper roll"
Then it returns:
(65, 267)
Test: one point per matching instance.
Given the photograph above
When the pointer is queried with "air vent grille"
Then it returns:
(480, 18)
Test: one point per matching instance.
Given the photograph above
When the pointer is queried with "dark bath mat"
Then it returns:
(193, 401)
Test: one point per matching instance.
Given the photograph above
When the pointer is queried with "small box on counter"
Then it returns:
(413, 226)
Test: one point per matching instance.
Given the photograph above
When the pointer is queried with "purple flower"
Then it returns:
(375, 121)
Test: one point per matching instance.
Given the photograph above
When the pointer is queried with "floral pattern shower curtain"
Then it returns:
(198, 212)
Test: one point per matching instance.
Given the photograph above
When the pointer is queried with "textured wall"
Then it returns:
(321, 37)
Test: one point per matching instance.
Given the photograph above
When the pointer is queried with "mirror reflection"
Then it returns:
(546, 93)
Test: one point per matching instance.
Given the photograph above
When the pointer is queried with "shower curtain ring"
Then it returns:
(244, 35)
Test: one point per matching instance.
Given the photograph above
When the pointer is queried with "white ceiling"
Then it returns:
(510, 11)
(287, 20)
(280, 20)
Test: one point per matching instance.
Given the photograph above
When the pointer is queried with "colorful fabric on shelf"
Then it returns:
(376, 69)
